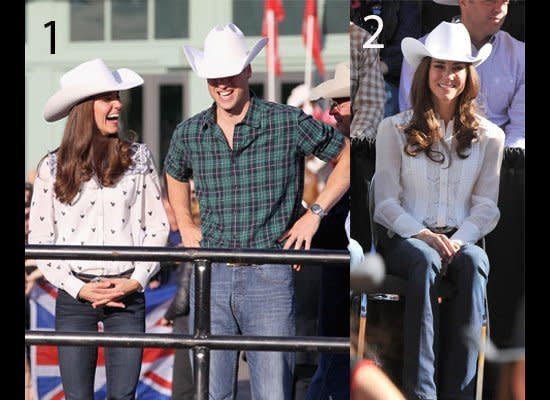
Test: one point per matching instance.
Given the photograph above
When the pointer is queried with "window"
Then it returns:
(171, 99)
(248, 15)
(129, 19)
(171, 19)
(132, 112)
(87, 20)
(336, 16)
(294, 15)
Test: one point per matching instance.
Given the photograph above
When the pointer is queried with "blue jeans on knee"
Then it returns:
(252, 301)
(437, 363)
(78, 363)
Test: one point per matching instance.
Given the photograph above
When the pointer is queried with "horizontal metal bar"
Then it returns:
(257, 343)
(129, 253)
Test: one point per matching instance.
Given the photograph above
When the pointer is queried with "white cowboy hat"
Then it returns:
(225, 53)
(85, 80)
(448, 41)
(447, 2)
(298, 96)
(334, 88)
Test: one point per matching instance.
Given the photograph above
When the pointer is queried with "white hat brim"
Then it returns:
(60, 104)
(414, 52)
(209, 69)
(330, 89)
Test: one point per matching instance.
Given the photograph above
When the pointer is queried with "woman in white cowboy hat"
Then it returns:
(437, 179)
(97, 189)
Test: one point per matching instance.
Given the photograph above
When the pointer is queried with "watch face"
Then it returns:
(316, 209)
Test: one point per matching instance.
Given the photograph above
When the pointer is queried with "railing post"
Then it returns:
(201, 355)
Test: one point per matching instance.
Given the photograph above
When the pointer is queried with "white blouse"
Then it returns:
(412, 193)
(130, 213)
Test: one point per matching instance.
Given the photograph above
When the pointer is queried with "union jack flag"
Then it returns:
(156, 369)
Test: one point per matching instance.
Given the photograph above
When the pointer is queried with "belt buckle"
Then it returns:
(442, 229)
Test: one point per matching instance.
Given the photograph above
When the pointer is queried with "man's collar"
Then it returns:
(491, 40)
(251, 118)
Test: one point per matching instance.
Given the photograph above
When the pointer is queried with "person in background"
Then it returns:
(97, 189)
(367, 109)
(331, 379)
(436, 193)
(401, 19)
(177, 313)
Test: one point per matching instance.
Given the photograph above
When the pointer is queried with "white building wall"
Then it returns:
(147, 57)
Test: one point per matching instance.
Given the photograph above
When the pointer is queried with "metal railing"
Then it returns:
(201, 342)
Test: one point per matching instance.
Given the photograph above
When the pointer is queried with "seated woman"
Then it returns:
(437, 181)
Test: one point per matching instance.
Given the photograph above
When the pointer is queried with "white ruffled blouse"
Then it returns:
(412, 193)
(130, 213)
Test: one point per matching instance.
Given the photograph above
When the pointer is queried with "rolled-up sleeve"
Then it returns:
(177, 162)
(318, 138)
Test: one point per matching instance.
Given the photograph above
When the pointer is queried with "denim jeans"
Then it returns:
(391, 107)
(437, 363)
(332, 376)
(78, 363)
(252, 301)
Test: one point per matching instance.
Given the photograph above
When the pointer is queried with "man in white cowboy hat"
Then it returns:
(331, 379)
(246, 156)
(502, 76)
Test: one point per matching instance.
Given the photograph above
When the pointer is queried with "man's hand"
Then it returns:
(191, 235)
(301, 233)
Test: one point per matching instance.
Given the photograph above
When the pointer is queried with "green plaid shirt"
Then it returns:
(251, 195)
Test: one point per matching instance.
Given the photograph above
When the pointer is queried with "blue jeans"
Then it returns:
(332, 376)
(77, 364)
(391, 107)
(253, 301)
(431, 330)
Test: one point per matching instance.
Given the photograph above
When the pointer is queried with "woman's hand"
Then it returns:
(107, 291)
(446, 247)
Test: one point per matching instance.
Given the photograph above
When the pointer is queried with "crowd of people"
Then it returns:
(438, 119)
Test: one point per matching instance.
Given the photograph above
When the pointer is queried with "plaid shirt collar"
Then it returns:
(253, 117)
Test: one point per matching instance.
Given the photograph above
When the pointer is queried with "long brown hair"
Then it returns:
(84, 151)
(423, 130)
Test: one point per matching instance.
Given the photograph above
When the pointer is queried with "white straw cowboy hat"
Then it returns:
(448, 41)
(298, 96)
(334, 88)
(225, 53)
(447, 2)
(85, 80)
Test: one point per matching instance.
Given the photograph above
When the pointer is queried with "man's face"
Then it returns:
(485, 16)
(340, 109)
(230, 92)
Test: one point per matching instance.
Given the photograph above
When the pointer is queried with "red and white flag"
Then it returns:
(310, 30)
(274, 13)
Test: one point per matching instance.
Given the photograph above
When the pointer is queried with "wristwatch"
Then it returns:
(317, 209)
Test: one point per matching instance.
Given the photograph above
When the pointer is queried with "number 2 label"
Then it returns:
(368, 44)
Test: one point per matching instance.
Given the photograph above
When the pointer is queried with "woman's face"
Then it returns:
(107, 108)
(447, 80)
